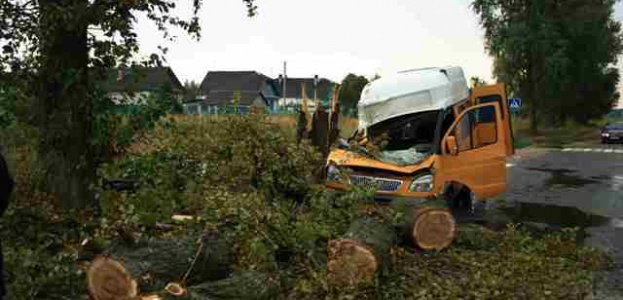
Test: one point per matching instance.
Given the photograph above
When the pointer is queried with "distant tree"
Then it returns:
(350, 92)
(477, 81)
(556, 55)
(191, 90)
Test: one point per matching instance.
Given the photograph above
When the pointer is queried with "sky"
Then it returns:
(327, 37)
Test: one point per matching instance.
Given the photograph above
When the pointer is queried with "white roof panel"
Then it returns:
(410, 92)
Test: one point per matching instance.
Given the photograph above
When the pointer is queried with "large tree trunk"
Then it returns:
(362, 251)
(155, 263)
(65, 108)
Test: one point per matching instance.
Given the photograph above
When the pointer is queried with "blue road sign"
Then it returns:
(514, 103)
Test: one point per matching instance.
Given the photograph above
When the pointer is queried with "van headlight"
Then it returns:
(422, 183)
(333, 173)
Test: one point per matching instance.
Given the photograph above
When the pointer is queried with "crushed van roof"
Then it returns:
(410, 92)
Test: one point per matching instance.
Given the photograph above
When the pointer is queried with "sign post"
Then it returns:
(514, 104)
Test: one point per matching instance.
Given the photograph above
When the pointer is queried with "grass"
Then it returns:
(570, 134)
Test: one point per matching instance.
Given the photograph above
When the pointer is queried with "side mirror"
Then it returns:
(451, 144)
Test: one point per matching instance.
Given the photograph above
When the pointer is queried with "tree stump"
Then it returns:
(361, 252)
(320, 131)
(301, 126)
(334, 130)
(431, 228)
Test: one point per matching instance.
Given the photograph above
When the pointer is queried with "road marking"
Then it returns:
(596, 150)
(509, 165)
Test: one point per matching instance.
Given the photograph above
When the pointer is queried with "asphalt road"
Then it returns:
(580, 187)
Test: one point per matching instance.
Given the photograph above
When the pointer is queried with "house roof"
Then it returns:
(294, 88)
(219, 86)
(142, 79)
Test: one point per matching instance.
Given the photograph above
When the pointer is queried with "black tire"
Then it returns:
(604, 141)
(459, 202)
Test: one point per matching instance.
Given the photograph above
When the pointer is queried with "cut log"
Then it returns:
(109, 280)
(248, 285)
(155, 263)
(361, 252)
(431, 228)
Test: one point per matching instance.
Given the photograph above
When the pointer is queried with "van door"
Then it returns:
(478, 157)
(496, 93)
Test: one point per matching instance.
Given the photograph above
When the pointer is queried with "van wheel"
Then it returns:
(458, 199)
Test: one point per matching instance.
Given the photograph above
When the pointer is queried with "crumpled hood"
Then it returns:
(348, 158)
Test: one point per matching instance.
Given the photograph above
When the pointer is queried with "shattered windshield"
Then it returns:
(404, 140)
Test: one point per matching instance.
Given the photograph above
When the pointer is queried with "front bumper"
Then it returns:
(381, 199)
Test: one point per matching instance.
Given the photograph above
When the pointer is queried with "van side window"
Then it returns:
(463, 133)
(489, 99)
(476, 129)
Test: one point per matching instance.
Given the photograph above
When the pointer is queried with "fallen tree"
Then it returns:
(125, 270)
(248, 285)
(364, 249)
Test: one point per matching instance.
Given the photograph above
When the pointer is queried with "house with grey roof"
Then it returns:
(131, 86)
(294, 92)
(238, 91)
(229, 91)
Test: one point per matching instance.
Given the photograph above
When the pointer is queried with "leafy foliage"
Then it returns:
(477, 81)
(61, 48)
(192, 90)
(540, 50)
(350, 92)
(246, 178)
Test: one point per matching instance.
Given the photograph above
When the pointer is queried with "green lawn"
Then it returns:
(550, 137)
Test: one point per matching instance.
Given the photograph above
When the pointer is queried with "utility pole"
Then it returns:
(284, 83)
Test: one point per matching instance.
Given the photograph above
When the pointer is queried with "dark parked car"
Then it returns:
(612, 133)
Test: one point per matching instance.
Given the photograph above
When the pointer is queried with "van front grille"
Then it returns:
(382, 184)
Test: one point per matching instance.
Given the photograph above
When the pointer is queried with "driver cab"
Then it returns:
(428, 145)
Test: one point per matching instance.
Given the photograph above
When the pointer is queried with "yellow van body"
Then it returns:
(471, 156)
